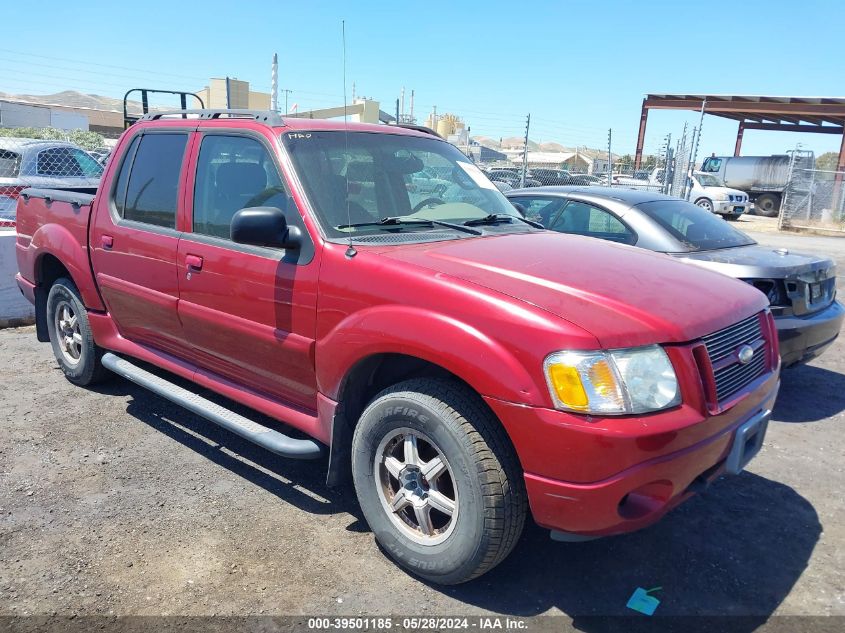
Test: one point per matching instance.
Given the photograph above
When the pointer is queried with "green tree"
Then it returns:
(83, 138)
(827, 161)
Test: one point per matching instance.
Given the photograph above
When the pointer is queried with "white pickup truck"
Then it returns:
(705, 190)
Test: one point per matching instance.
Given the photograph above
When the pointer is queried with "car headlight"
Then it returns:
(615, 382)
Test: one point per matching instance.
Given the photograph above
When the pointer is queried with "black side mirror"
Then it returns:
(519, 208)
(264, 226)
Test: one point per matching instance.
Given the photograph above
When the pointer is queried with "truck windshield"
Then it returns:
(694, 228)
(355, 180)
(707, 180)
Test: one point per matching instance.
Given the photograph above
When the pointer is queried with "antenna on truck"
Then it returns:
(350, 251)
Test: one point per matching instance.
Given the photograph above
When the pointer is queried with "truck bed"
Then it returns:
(54, 222)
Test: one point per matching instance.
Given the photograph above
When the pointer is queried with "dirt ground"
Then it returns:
(113, 501)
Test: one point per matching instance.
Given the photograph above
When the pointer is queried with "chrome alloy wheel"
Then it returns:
(416, 486)
(68, 333)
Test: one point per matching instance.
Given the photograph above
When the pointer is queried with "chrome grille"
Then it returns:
(732, 376)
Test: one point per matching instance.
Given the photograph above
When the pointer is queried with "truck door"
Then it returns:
(134, 238)
(248, 312)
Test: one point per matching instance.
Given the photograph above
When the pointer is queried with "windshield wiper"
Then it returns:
(399, 221)
(496, 218)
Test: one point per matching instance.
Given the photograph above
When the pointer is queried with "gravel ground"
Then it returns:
(113, 501)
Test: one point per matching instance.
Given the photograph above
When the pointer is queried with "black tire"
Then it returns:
(767, 205)
(87, 368)
(489, 491)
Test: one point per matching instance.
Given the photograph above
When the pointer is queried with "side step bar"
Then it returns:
(265, 437)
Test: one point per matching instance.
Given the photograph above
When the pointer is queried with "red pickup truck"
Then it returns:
(371, 290)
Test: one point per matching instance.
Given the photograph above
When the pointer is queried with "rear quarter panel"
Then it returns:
(59, 229)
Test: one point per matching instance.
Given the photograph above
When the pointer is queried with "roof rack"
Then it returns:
(129, 119)
(418, 128)
(263, 116)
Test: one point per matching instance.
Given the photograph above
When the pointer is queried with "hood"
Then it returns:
(623, 295)
(727, 191)
(756, 261)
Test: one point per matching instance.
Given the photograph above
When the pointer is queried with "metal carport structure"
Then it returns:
(822, 115)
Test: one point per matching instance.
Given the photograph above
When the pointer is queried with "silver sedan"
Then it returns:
(801, 288)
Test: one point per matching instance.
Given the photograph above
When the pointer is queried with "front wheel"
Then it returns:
(70, 335)
(705, 203)
(437, 480)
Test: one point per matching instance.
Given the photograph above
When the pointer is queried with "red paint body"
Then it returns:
(282, 338)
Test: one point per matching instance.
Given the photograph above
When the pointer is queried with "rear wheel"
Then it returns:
(70, 335)
(705, 203)
(437, 480)
(767, 205)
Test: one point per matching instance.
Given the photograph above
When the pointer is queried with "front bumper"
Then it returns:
(726, 207)
(650, 470)
(803, 338)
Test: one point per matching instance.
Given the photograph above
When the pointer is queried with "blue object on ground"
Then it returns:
(643, 602)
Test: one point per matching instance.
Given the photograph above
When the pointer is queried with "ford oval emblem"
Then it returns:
(745, 354)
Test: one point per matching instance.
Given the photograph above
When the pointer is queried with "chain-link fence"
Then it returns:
(813, 199)
(48, 158)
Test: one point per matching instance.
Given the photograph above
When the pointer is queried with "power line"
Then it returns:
(79, 61)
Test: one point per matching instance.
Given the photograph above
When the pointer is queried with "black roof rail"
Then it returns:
(262, 116)
(418, 128)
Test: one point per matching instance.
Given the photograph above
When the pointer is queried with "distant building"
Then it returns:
(234, 94)
(20, 114)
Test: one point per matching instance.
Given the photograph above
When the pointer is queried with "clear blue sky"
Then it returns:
(579, 68)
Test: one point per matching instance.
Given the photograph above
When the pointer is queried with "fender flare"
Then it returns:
(485, 364)
(58, 241)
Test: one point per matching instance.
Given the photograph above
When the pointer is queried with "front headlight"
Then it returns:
(615, 382)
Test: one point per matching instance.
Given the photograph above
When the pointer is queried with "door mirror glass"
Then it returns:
(264, 226)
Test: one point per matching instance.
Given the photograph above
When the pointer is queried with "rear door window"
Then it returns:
(67, 162)
(153, 188)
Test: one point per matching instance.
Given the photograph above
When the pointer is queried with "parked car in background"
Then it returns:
(593, 179)
(801, 289)
(38, 163)
(711, 194)
(763, 178)
(101, 155)
(409, 341)
(555, 177)
(513, 177)
(632, 182)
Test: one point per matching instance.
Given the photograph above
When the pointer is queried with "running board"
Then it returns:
(273, 441)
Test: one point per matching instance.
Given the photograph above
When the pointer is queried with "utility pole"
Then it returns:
(274, 84)
(402, 106)
(468, 154)
(397, 110)
(525, 151)
(412, 107)
(287, 92)
(434, 119)
(609, 159)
